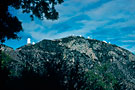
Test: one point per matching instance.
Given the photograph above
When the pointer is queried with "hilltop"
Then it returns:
(61, 56)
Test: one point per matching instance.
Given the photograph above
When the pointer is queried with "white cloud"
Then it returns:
(112, 9)
(73, 7)
(86, 2)
(53, 34)
(50, 23)
(131, 41)
(40, 35)
(119, 25)
(131, 49)
(32, 26)
(131, 35)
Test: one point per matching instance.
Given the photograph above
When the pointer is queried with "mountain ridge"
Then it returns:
(72, 50)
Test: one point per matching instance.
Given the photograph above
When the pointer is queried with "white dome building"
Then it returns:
(33, 43)
(28, 41)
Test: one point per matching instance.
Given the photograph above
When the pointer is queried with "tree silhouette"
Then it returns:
(10, 25)
(4, 72)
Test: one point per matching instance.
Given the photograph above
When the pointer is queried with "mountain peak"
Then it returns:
(74, 49)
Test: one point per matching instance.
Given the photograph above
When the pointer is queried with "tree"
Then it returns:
(4, 72)
(99, 78)
(10, 25)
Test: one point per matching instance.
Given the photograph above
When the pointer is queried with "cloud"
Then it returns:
(32, 26)
(113, 8)
(55, 35)
(131, 41)
(132, 49)
(131, 35)
(123, 24)
(64, 29)
(73, 7)
(40, 35)
(129, 47)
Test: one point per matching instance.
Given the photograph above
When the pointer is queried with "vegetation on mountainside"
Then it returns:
(99, 79)
(73, 79)
(5, 59)
(4, 72)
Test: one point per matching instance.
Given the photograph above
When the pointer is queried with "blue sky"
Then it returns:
(110, 20)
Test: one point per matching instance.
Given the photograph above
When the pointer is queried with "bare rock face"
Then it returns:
(73, 50)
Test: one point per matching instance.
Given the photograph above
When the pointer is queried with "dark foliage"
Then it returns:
(4, 72)
(10, 25)
(99, 79)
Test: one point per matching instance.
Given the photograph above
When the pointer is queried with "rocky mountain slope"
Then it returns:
(74, 51)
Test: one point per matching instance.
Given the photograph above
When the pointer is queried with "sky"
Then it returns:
(109, 20)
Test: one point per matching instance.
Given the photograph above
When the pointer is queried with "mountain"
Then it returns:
(74, 54)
